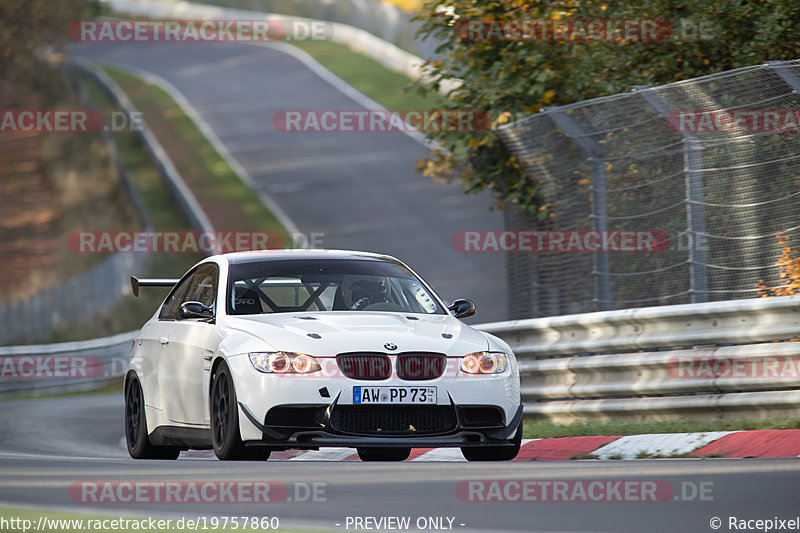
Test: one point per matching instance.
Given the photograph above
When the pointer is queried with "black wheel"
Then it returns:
(383, 454)
(139, 446)
(495, 453)
(225, 436)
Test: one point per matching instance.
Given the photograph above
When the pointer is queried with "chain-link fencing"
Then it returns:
(710, 166)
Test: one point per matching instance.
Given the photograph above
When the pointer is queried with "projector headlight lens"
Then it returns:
(283, 363)
(484, 363)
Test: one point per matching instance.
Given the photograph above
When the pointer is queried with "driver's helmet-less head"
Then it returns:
(359, 292)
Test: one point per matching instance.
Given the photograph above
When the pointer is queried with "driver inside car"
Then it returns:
(360, 293)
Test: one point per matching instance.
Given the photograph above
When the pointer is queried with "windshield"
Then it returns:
(326, 285)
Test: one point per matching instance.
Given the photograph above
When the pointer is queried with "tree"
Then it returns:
(789, 272)
(512, 78)
(26, 28)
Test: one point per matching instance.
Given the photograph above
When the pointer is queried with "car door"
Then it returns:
(188, 347)
(154, 339)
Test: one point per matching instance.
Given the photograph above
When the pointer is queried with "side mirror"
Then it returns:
(462, 308)
(196, 310)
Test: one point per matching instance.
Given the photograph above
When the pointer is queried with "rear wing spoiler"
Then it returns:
(136, 283)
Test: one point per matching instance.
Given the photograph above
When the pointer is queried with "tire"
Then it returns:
(495, 453)
(139, 446)
(225, 437)
(383, 454)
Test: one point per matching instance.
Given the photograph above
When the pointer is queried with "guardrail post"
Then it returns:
(602, 287)
(695, 217)
(786, 73)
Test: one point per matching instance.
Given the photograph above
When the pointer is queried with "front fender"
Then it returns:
(243, 374)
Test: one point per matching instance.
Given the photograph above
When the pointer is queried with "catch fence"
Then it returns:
(712, 165)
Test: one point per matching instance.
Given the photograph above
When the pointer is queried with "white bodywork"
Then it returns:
(173, 359)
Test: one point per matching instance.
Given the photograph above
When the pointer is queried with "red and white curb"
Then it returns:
(664, 444)
(759, 443)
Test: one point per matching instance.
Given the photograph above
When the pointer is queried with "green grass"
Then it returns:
(386, 87)
(545, 429)
(582, 456)
(157, 199)
(230, 204)
(87, 521)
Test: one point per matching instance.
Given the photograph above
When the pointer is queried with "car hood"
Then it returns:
(348, 331)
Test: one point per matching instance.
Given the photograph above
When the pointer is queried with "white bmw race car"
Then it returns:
(301, 349)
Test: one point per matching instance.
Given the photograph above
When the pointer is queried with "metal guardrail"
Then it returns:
(714, 360)
(66, 366)
(181, 193)
(77, 299)
(360, 40)
(128, 186)
(698, 361)
(381, 19)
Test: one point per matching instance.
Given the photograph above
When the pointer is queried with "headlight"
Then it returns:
(283, 363)
(484, 363)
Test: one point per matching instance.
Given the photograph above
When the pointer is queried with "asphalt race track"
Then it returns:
(360, 189)
(46, 446)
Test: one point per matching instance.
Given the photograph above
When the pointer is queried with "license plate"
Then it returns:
(374, 395)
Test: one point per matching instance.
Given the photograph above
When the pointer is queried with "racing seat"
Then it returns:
(246, 302)
(338, 300)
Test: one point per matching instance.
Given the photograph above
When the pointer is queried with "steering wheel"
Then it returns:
(360, 304)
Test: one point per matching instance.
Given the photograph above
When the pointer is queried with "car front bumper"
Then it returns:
(324, 433)
(319, 402)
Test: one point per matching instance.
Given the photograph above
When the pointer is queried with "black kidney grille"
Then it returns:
(420, 366)
(377, 420)
(370, 366)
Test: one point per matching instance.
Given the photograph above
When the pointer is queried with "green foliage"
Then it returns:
(510, 79)
(28, 28)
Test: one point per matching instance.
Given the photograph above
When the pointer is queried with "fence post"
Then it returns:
(602, 287)
(695, 217)
(786, 73)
